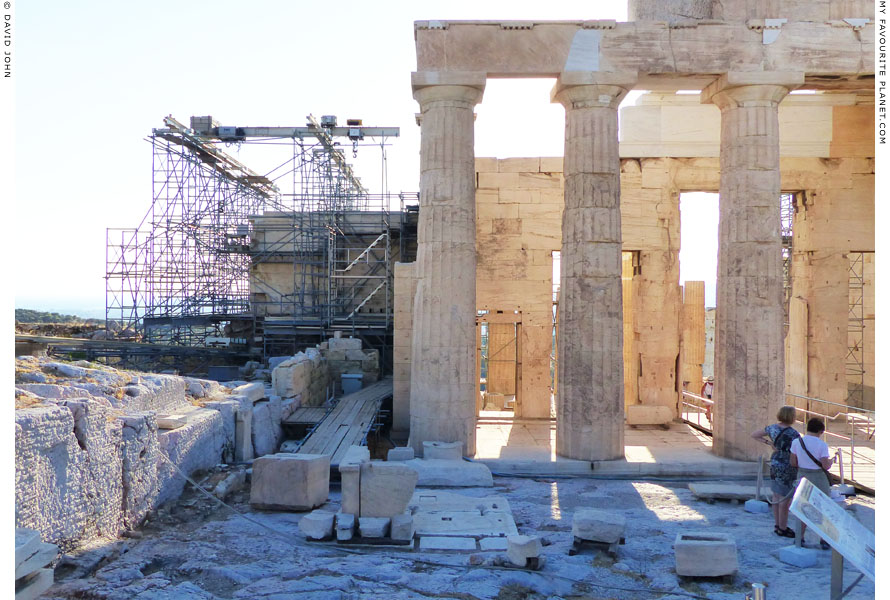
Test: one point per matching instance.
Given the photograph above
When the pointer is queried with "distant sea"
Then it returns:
(79, 308)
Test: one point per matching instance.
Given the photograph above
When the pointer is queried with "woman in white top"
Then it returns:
(803, 451)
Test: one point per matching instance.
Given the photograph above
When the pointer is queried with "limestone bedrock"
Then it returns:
(598, 525)
(386, 488)
(290, 481)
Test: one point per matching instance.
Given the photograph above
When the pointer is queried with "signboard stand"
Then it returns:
(848, 538)
(837, 574)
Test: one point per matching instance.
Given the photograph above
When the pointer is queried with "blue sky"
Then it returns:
(93, 78)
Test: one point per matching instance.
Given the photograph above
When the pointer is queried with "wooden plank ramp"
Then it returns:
(306, 415)
(348, 423)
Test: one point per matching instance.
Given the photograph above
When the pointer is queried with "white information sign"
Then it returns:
(836, 526)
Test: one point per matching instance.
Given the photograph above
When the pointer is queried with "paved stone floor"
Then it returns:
(529, 445)
(525, 444)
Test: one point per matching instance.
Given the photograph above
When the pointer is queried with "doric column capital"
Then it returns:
(576, 89)
(433, 86)
(751, 88)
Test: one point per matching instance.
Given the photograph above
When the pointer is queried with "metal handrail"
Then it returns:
(846, 417)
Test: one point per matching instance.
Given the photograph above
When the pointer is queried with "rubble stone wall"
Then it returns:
(90, 461)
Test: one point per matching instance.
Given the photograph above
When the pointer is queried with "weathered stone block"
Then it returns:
(350, 478)
(450, 473)
(493, 543)
(40, 557)
(400, 453)
(402, 527)
(35, 585)
(317, 525)
(799, 557)
(345, 525)
(598, 525)
(244, 435)
(520, 548)
(266, 426)
(443, 450)
(756, 506)
(254, 392)
(641, 414)
(373, 527)
(290, 481)
(705, 554)
(344, 344)
(386, 488)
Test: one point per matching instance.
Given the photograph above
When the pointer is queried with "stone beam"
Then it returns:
(832, 55)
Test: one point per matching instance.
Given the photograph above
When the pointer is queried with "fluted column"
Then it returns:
(590, 396)
(749, 361)
(443, 359)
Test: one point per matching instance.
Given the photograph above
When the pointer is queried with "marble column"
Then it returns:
(443, 357)
(749, 362)
(590, 396)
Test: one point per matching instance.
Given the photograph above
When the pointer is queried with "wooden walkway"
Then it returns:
(306, 415)
(348, 423)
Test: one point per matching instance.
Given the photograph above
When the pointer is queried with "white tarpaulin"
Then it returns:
(836, 526)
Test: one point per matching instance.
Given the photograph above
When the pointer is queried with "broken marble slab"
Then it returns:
(27, 541)
(33, 585)
(726, 491)
(490, 544)
(42, 556)
(386, 488)
(447, 543)
(440, 500)
(450, 473)
(443, 450)
(464, 524)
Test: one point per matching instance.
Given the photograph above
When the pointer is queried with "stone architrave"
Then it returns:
(443, 360)
(749, 362)
(590, 397)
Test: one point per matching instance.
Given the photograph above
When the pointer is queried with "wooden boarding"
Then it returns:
(348, 423)
(306, 415)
